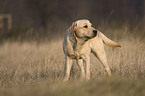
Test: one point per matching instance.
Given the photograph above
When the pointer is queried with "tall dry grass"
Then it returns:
(39, 68)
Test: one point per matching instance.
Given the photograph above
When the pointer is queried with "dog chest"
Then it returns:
(79, 51)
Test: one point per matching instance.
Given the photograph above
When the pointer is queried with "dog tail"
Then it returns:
(108, 41)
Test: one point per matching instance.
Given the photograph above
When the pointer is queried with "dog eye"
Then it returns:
(85, 26)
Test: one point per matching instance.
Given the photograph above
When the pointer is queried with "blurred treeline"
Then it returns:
(57, 15)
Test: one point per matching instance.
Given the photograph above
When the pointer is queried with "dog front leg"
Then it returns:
(87, 61)
(81, 66)
(68, 65)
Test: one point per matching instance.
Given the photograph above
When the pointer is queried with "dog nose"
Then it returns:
(95, 32)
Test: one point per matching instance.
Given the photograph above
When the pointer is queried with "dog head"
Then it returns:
(83, 29)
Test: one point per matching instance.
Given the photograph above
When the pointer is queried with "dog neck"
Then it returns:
(77, 43)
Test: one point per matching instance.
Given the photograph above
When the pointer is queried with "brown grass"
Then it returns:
(37, 69)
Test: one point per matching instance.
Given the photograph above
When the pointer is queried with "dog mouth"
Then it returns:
(90, 37)
(95, 34)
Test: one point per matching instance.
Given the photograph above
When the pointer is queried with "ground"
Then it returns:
(37, 69)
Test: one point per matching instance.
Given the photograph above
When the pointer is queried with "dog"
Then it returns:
(80, 40)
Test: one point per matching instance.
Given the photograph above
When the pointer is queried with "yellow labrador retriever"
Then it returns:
(80, 40)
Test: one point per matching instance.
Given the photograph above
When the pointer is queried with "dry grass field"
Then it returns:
(37, 68)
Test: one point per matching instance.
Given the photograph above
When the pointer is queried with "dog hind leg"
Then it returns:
(99, 52)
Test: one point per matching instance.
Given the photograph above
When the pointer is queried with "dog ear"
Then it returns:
(72, 28)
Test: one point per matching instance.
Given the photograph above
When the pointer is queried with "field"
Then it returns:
(37, 68)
